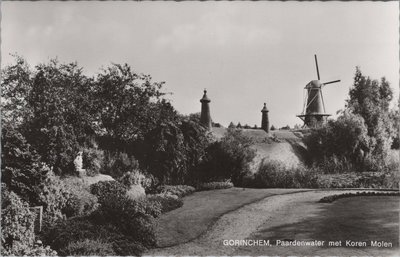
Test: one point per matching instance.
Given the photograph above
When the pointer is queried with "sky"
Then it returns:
(243, 53)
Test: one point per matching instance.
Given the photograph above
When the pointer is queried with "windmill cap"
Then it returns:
(205, 98)
(314, 84)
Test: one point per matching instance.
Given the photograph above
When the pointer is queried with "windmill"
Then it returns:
(314, 107)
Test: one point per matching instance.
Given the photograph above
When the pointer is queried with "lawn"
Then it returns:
(201, 209)
(357, 219)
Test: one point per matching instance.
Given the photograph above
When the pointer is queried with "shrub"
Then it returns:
(174, 148)
(344, 141)
(136, 192)
(392, 179)
(136, 177)
(114, 200)
(80, 201)
(178, 190)
(88, 247)
(127, 247)
(335, 164)
(273, 174)
(133, 218)
(215, 185)
(21, 168)
(53, 196)
(108, 189)
(229, 158)
(79, 236)
(168, 202)
(76, 229)
(17, 223)
(131, 178)
(360, 180)
(150, 183)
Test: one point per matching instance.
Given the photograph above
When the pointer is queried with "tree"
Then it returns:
(239, 126)
(21, 169)
(229, 158)
(232, 125)
(15, 87)
(173, 150)
(273, 127)
(128, 105)
(345, 138)
(370, 99)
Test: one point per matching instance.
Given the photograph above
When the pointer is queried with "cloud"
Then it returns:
(222, 27)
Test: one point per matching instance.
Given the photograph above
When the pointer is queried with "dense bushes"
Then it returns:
(105, 190)
(173, 150)
(340, 144)
(134, 218)
(126, 226)
(215, 185)
(80, 202)
(70, 236)
(17, 223)
(227, 159)
(273, 174)
(116, 164)
(21, 168)
(388, 179)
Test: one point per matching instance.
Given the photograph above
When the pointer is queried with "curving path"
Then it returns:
(208, 218)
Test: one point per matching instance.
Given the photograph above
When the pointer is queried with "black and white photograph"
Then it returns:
(200, 128)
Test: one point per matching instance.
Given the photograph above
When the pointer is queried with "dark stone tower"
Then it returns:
(265, 120)
(205, 117)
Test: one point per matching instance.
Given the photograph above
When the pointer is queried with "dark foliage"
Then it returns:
(17, 223)
(227, 159)
(133, 218)
(105, 190)
(22, 171)
(69, 236)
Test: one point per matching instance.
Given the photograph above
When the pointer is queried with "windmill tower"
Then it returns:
(314, 112)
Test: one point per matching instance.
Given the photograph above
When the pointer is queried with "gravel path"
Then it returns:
(245, 221)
